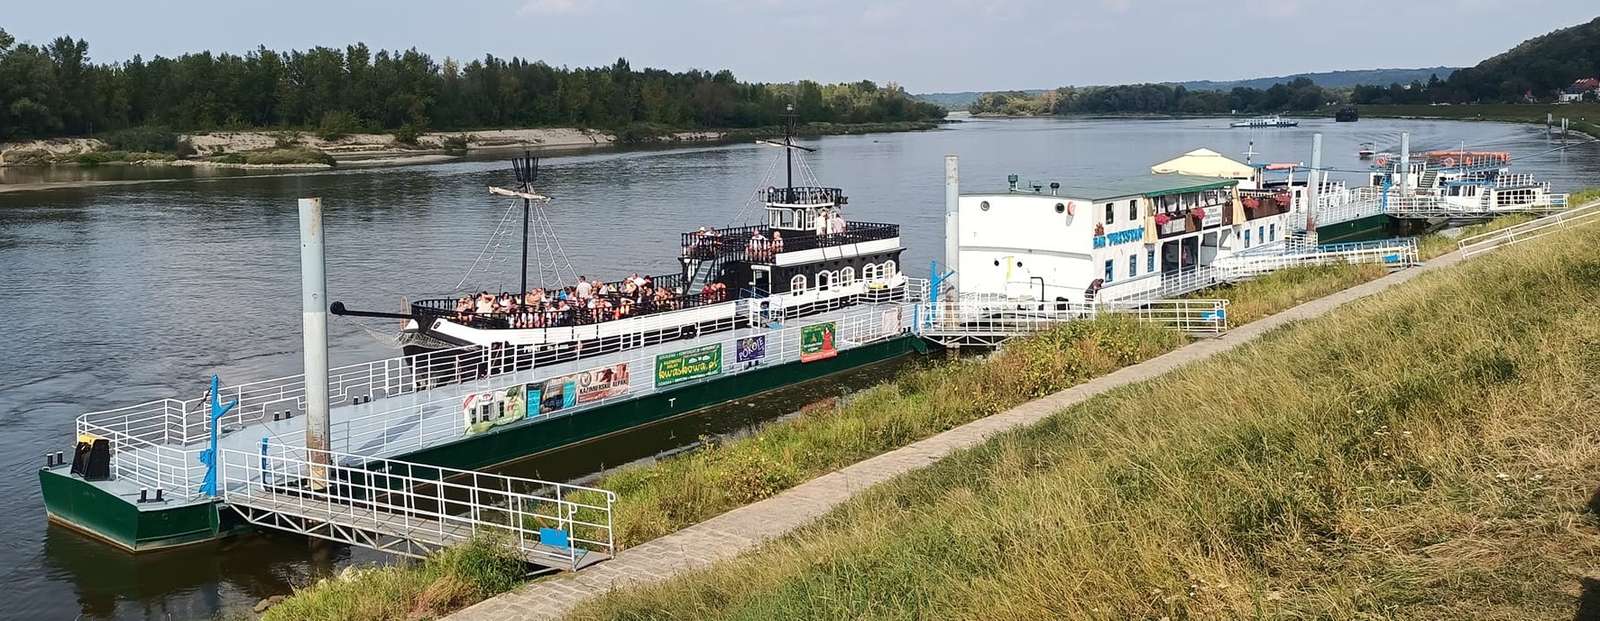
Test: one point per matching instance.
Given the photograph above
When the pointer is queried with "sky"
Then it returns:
(923, 45)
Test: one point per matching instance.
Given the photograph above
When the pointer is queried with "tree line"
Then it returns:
(1299, 95)
(1536, 70)
(56, 90)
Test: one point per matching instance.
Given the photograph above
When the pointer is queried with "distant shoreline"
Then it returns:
(373, 150)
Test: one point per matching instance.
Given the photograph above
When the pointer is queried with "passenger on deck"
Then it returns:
(835, 223)
(757, 247)
(585, 290)
(821, 227)
(777, 242)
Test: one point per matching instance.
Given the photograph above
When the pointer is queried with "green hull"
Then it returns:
(522, 440)
(91, 509)
(1360, 229)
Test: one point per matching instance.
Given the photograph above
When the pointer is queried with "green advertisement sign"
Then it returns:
(816, 342)
(688, 364)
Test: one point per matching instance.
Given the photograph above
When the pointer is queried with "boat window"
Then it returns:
(798, 283)
(1272, 232)
(847, 275)
(1261, 234)
(1109, 266)
(888, 269)
(1150, 261)
(824, 280)
(1133, 266)
(1133, 210)
(1247, 238)
(1111, 213)
(869, 272)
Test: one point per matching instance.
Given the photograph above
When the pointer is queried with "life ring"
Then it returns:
(1071, 208)
(1449, 162)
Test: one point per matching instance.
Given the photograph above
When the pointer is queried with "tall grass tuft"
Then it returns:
(444, 582)
(1429, 453)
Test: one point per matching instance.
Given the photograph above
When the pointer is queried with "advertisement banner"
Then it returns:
(559, 393)
(688, 364)
(752, 348)
(485, 410)
(816, 342)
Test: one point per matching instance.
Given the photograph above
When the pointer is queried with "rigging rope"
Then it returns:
(491, 243)
(750, 199)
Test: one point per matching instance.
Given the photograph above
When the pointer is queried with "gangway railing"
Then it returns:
(412, 509)
(988, 321)
(1532, 229)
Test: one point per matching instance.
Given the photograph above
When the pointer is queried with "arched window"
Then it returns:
(824, 280)
(847, 275)
(888, 269)
(798, 283)
(869, 272)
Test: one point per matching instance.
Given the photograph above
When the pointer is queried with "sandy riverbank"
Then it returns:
(366, 149)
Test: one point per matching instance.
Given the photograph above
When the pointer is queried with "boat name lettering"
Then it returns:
(751, 348)
(1119, 237)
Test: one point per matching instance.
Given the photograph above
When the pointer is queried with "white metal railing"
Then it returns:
(989, 320)
(412, 508)
(183, 421)
(373, 431)
(1533, 229)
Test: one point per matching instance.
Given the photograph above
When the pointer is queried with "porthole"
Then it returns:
(997, 262)
(984, 205)
(1061, 208)
(1019, 264)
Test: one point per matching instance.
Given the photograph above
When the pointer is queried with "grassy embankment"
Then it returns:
(670, 494)
(1583, 117)
(1426, 454)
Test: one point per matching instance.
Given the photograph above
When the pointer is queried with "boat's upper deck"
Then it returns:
(763, 243)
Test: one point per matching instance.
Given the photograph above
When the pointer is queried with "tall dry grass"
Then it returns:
(1424, 454)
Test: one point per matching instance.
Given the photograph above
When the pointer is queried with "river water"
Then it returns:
(120, 294)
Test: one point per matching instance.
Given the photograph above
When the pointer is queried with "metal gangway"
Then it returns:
(988, 321)
(1368, 201)
(1532, 229)
(414, 509)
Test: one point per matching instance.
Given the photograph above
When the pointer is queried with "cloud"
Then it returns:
(553, 7)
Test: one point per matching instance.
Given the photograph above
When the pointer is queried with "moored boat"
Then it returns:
(1266, 121)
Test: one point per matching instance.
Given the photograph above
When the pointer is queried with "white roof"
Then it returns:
(1205, 163)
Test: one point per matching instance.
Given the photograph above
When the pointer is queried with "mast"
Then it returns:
(788, 151)
(526, 170)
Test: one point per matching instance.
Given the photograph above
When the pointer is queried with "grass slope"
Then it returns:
(1425, 454)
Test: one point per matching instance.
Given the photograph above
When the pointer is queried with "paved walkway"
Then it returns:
(745, 528)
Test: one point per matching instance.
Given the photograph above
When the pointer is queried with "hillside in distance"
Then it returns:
(961, 100)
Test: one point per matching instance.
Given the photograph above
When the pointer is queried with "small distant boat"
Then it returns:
(1266, 121)
(1367, 149)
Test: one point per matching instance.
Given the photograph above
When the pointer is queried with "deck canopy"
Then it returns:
(1205, 163)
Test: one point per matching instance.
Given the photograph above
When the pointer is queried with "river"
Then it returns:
(118, 294)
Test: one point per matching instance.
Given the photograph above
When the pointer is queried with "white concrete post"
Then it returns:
(1314, 186)
(1405, 163)
(952, 216)
(314, 317)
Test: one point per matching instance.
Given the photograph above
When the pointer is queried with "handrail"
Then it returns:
(421, 505)
(1532, 229)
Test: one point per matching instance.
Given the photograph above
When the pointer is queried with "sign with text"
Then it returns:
(752, 348)
(689, 364)
(816, 342)
(565, 391)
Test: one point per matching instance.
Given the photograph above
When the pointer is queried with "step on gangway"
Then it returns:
(1532, 229)
(414, 509)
